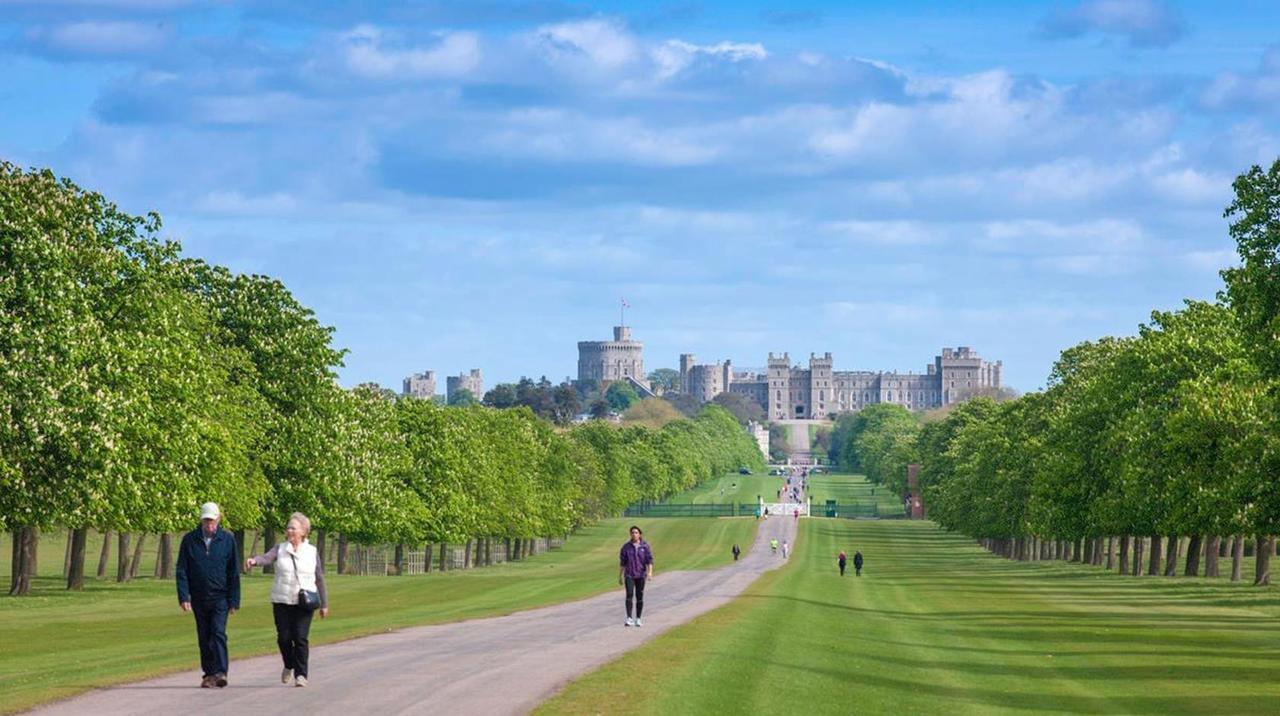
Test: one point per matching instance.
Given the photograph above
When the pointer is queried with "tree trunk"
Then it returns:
(320, 545)
(1237, 557)
(1099, 545)
(75, 568)
(1153, 565)
(122, 557)
(488, 551)
(137, 556)
(444, 555)
(399, 560)
(426, 559)
(1171, 546)
(1212, 553)
(1138, 544)
(257, 537)
(26, 542)
(342, 553)
(1266, 546)
(105, 556)
(166, 556)
(1111, 553)
(268, 541)
(1124, 554)
(1193, 556)
(66, 554)
(466, 556)
(1224, 547)
(241, 554)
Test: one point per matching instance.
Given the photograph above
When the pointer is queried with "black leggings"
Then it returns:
(635, 590)
(842, 569)
(293, 629)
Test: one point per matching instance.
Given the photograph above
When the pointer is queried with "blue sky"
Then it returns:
(458, 185)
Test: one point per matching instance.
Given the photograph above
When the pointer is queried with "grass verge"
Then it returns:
(937, 625)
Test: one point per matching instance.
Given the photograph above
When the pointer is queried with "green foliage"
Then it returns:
(462, 398)
(881, 441)
(664, 379)
(621, 396)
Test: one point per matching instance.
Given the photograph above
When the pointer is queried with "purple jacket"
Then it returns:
(633, 558)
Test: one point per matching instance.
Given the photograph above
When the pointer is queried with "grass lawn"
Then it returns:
(737, 488)
(852, 489)
(56, 643)
(937, 625)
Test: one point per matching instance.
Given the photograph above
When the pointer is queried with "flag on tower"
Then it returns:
(625, 304)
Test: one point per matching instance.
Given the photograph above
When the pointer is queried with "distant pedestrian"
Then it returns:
(208, 580)
(773, 545)
(841, 560)
(736, 552)
(786, 549)
(635, 567)
(298, 592)
(857, 564)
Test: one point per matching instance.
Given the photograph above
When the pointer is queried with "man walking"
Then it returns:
(635, 566)
(736, 552)
(208, 577)
(857, 564)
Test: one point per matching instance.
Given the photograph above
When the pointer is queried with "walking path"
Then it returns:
(502, 665)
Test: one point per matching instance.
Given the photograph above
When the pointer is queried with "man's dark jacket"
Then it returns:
(208, 575)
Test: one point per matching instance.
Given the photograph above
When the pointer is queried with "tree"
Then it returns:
(686, 404)
(462, 398)
(664, 380)
(1253, 293)
(621, 396)
(502, 395)
(567, 404)
(742, 408)
(653, 413)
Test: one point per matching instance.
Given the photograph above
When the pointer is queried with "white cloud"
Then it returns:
(100, 38)
(368, 51)
(1107, 236)
(673, 56)
(605, 43)
(887, 233)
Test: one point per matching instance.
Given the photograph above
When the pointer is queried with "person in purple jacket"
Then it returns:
(635, 566)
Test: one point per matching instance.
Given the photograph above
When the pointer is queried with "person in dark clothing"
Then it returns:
(635, 562)
(208, 577)
(857, 564)
(841, 559)
(736, 552)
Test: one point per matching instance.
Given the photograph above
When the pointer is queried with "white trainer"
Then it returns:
(638, 622)
(629, 622)
(300, 681)
(286, 675)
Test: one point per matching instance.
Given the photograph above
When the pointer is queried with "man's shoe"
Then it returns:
(638, 622)
(629, 622)
(219, 680)
(206, 682)
(285, 675)
(300, 681)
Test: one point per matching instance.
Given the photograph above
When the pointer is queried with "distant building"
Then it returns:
(472, 382)
(421, 385)
(760, 432)
(607, 361)
(787, 391)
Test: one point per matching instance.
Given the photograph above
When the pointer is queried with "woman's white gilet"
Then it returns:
(290, 580)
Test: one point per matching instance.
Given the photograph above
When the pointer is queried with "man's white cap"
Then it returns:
(210, 511)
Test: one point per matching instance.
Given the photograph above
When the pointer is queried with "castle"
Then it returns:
(608, 361)
(472, 382)
(786, 392)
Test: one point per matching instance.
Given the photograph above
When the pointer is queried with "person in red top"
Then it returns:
(635, 566)
(842, 560)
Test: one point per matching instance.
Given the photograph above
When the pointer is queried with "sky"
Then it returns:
(480, 184)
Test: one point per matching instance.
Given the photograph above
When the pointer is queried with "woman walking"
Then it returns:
(297, 592)
(635, 566)
(842, 559)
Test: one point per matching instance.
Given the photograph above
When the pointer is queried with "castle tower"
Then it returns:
(779, 399)
(822, 399)
(606, 361)
(687, 362)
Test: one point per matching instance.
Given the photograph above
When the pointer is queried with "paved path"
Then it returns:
(502, 665)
